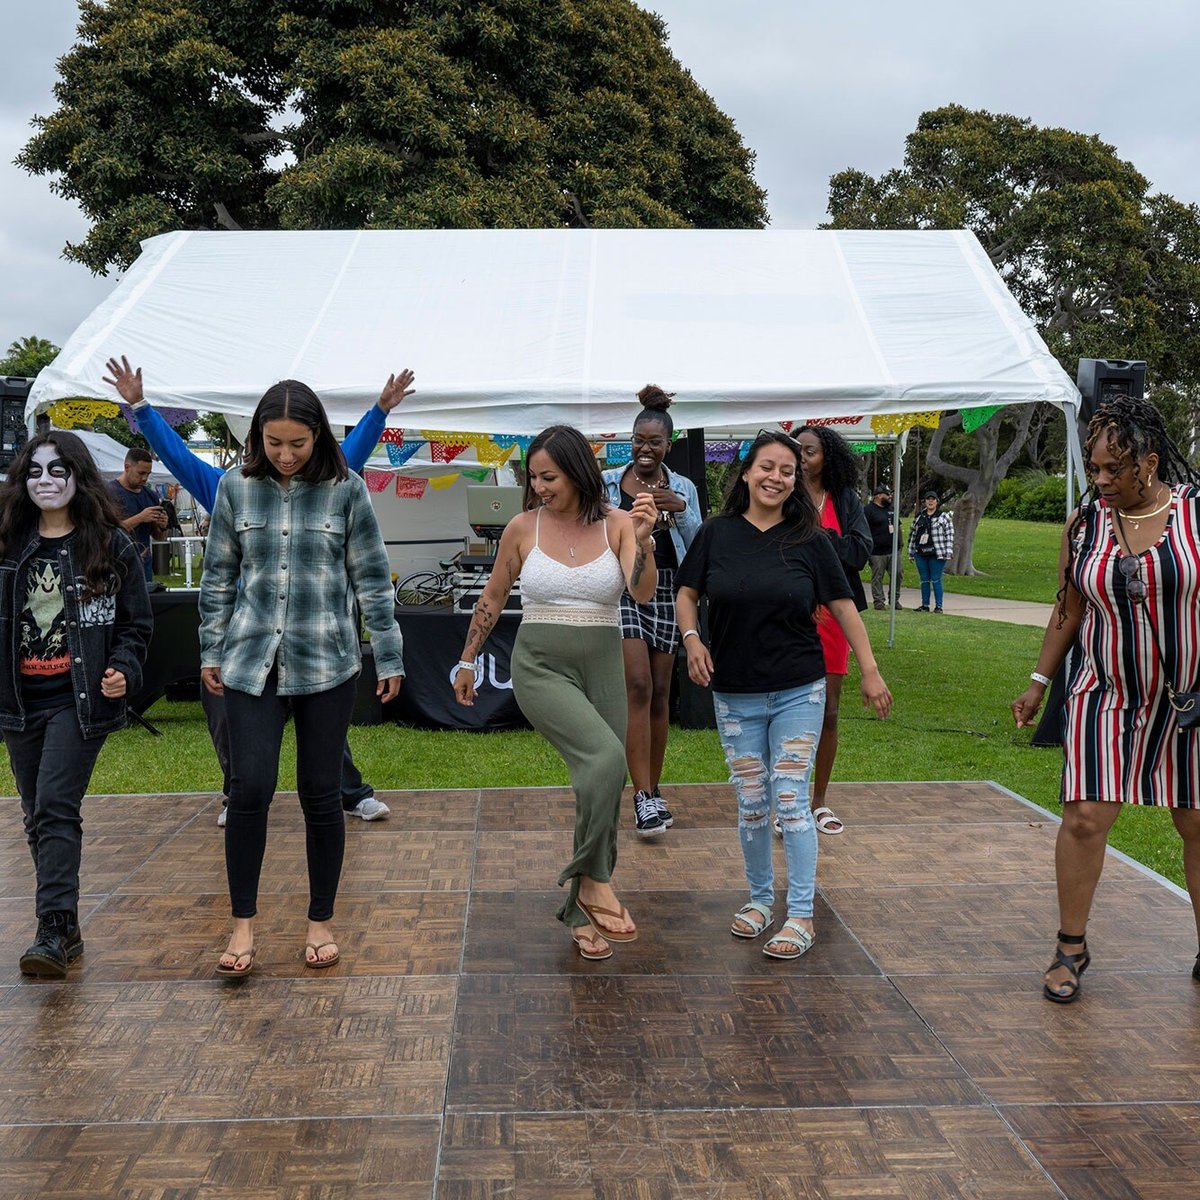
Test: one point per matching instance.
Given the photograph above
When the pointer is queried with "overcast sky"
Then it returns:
(813, 89)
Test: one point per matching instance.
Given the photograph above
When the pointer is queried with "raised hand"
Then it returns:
(125, 379)
(396, 389)
(644, 515)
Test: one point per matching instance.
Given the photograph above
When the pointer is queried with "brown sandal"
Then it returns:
(612, 935)
(588, 941)
(318, 963)
(233, 970)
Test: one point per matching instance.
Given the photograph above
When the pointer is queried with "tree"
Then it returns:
(1103, 268)
(27, 356)
(303, 114)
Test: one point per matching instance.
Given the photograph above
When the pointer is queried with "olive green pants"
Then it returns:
(570, 683)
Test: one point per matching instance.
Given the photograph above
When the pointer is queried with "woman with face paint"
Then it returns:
(75, 623)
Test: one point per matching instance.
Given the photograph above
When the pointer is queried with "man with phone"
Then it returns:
(143, 513)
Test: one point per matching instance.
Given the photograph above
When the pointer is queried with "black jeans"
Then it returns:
(255, 733)
(354, 788)
(52, 763)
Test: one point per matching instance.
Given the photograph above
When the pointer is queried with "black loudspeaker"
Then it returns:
(1099, 379)
(686, 456)
(14, 391)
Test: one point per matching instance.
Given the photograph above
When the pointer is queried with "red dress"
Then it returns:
(833, 640)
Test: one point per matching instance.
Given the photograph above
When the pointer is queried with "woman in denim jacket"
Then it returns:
(292, 545)
(650, 635)
(75, 623)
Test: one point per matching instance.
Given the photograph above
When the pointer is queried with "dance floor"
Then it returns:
(461, 1050)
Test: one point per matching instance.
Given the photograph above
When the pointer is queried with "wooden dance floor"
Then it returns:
(461, 1050)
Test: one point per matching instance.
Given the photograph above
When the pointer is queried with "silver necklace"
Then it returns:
(654, 487)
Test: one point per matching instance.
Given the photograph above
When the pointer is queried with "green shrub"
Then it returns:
(1030, 496)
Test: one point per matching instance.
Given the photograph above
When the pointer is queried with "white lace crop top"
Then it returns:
(582, 595)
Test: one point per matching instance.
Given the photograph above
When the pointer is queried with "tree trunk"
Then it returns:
(968, 512)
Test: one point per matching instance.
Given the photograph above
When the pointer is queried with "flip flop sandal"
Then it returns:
(799, 938)
(317, 963)
(610, 935)
(587, 942)
(827, 819)
(233, 970)
(748, 914)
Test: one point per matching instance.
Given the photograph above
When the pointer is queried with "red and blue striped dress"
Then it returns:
(1122, 741)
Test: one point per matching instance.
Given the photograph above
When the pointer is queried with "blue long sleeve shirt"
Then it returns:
(201, 478)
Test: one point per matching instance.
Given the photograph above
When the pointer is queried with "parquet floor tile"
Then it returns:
(1128, 1038)
(906, 1154)
(1136, 1152)
(368, 1159)
(148, 815)
(1011, 927)
(680, 933)
(108, 860)
(380, 857)
(96, 1052)
(662, 1042)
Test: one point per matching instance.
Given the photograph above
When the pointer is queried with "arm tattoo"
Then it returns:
(639, 566)
(482, 622)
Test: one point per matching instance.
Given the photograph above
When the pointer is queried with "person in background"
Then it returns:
(294, 553)
(766, 568)
(829, 474)
(201, 479)
(650, 636)
(881, 520)
(76, 620)
(1129, 614)
(930, 544)
(574, 555)
(143, 515)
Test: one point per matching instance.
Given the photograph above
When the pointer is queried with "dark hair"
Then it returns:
(92, 509)
(798, 509)
(573, 456)
(291, 400)
(655, 403)
(1134, 428)
(840, 469)
(136, 454)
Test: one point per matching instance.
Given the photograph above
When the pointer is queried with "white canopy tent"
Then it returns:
(513, 330)
(109, 456)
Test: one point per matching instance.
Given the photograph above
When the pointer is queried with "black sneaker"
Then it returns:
(938, 609)
(58, 944)
(663, 810)
(649, 818)
(921, 608)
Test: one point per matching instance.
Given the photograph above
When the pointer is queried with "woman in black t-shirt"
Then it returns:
(765, 567)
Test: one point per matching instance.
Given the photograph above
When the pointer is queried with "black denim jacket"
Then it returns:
(102, 632)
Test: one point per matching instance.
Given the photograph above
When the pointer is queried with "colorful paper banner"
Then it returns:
(440, 483)
(410, 487)
(376, 481)
(899, 422)
(398, 455)
(493, 455)
(720, 452)
(444, 452)
(619, 452)
(479, 474)
(392, 435)
(173, 416)
(68, 414)
(974, 418)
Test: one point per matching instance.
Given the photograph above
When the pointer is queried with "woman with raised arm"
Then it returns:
(649, 634)
(76, 620)
(574, 555)
(1129, 614)
(293, 545)
(766, 569)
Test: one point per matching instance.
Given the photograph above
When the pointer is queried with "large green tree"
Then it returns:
(1104, 268)
(302, 114)
(27, 356)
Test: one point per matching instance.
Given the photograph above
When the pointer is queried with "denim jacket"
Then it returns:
(102, 631)
(282, 570)
(687, 523)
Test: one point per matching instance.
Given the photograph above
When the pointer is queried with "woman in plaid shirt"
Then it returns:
(293, 544)
(930, 544)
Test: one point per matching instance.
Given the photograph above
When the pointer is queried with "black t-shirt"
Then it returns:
(43, 656)
(762, 590)
(878, 520)
(130, 504)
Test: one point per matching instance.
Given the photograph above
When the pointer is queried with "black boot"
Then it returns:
(57, 945)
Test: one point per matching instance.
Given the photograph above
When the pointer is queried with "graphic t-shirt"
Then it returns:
(763, 591)
(43, 656)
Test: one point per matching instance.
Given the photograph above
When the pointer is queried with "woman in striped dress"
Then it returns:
(1129, 607)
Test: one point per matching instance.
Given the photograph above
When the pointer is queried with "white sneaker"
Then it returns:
(222, 815)
(369, 809)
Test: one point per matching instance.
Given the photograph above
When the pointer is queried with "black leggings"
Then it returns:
(255, 735)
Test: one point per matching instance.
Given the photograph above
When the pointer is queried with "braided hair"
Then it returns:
(1132, 429)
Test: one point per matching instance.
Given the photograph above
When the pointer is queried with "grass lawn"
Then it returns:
(953, 685)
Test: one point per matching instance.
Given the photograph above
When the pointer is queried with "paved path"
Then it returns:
(1016, 612)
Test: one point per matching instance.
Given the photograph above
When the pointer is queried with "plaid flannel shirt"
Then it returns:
(282, 569)
(943, 535)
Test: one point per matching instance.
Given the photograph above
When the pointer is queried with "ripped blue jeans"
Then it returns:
(770, 743)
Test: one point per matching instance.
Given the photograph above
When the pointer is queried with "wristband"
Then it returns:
(1039, 678)
(687, 633)
(465, 666)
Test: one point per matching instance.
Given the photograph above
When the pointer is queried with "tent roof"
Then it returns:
(512, 330)
(109, 456)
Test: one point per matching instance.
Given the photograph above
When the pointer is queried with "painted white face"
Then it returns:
(51, 482)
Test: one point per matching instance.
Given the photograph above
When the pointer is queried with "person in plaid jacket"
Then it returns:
(930, 544)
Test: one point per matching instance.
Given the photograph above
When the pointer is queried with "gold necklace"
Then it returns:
(1135, 519)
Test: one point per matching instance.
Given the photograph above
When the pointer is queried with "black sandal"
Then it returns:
(1196, 969)
(1075, 963)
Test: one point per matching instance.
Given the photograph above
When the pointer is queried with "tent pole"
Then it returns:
(1075, 468)
(892, 589)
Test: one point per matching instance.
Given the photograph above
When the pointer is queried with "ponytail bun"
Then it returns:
(653, 398)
